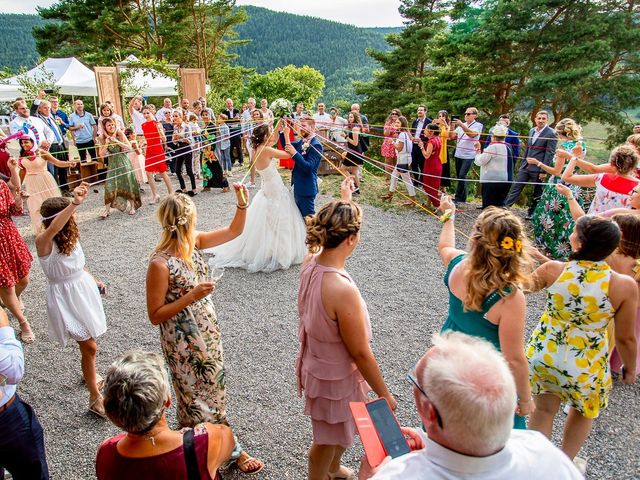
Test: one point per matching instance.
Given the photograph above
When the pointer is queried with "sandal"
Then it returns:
(249, 459)
(97, 407)
(27, 337)
(99, 381)
(343, 473)
(105, 213)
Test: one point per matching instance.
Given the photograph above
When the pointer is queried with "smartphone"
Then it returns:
(455, 117)
(48, 91)
(388, 428)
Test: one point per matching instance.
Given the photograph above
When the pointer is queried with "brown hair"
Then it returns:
(599, 237)
(404, 123)
(67, 238)
(630, 241)
(569, 128)
(634, 140)
(497, 256)
(333, 224)
(624, 158)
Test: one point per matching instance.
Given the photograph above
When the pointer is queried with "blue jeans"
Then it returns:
(463, 165)
(226, 162)
(22, 443)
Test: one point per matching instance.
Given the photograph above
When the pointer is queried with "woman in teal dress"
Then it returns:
(121, 190)
(485, 297)
(552, 222)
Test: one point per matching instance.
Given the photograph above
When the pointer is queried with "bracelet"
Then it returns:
(446, 216)
(571, 198)
(539, 163)
(74, 203)
(242, 207)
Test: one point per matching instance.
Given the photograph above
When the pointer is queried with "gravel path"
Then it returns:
(400, 276)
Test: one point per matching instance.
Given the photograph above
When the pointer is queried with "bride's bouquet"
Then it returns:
(281, 107)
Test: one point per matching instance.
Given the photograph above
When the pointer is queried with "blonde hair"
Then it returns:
(497, 256)
(332, 224)
(177, 216)
(569, 128)
(634, 140)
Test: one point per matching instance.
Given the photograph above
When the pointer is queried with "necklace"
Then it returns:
(147, 436)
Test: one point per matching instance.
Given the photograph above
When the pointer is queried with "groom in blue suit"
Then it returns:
(307, 154)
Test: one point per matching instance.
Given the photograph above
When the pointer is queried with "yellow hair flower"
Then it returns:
(507, 243)
(518, 246)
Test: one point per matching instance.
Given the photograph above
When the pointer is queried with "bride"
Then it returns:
(274, 233)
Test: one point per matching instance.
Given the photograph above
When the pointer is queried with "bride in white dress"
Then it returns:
(274, 233)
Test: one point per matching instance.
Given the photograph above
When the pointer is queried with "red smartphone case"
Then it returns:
(373, 448)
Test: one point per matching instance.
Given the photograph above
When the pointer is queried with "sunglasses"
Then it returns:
(412, 378)
(394, 113)
(469, 113)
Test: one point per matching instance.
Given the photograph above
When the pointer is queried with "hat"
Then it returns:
(24, 136)
(500, 130)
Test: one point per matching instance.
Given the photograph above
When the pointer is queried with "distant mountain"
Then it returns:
(277, 39)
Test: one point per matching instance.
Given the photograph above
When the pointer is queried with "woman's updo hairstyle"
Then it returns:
(332, 225)
(598, 237)
(569, 128)
(624, 158)
(66, 238)
(260, 135)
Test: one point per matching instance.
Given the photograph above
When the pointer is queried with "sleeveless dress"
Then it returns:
(74, 306)
(121, 185)
(15, 257)
(155, 160)
(170, 465)
(388, 150)
(569, 349)
(353, 159)
(40, 185)
(212, 174)
(612, 191)
(274, 233)
(474, 323)
(552, 221)
(325, 369)
(137, 163)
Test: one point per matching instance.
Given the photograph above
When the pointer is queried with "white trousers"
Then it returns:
(402, 171)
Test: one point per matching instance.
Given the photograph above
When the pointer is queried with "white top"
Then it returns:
(493, 163)
(337, 130)
(419, 127)
(323, 121)
(138, 119)
(160, 113)
(528, 455)
(404, 156)
(36, 129)
(464, 145)
(11, 363)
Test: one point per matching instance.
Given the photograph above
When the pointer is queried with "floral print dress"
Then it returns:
(192, 345)
(552, 221)
(569, 350)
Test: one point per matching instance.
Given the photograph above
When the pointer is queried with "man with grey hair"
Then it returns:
(466, 397)
(57, 148)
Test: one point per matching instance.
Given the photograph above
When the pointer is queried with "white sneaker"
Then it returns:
(251, 185)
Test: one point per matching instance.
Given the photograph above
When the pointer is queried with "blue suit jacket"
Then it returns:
(304, 176)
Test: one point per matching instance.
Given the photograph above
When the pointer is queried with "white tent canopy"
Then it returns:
(74, 78)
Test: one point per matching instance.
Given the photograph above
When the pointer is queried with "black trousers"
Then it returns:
(182, 157)
(236, 149)
(494, 194)
(85, 147)
(525, 175)
(417, 162)
(59, 152)
(22, 443)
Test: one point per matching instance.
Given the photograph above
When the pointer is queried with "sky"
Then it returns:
(363, 13)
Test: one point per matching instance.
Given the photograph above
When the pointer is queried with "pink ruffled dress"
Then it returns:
(325, 369)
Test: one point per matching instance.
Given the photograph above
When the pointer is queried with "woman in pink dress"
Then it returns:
(155, 160)
(335, 364)
(388, 149)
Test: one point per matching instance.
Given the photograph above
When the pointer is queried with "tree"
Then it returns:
(400, 82)
(304, 84)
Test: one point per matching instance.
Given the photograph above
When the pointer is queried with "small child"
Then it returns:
(212, 174)
(225, 143)
(197, 143)
(136, 157)
(74, 306)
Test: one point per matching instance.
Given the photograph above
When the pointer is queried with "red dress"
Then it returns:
(155, 160)
(15, 257)
(433, 171)
(287, 163)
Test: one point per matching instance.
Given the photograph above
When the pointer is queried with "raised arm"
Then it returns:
(50, 158)
(574, 206)
(580, 180)
(593, 168)
(235, 228)
(447, 243)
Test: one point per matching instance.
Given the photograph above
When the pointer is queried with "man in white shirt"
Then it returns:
(167, 106)
(337, 132)
(57, 148)
(299, 113)
(323, 120)
(466, 397)
(41, 135)
(466, 133)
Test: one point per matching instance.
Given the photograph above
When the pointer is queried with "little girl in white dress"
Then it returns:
(74, 306)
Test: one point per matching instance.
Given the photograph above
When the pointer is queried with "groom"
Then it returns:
(307, 154)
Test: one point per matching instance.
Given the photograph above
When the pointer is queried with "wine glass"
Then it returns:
(215, 273)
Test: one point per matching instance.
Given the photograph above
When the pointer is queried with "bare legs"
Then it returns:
(11, 298)
(88, 351)
(324, 460)
(154, 188)
(576, 428)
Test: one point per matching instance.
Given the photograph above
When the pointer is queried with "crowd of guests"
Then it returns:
(473, 390)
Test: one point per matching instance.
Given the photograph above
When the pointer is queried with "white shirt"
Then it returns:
(160, 113)
(465, 144)
(419, 127)
(528, 455)
(403, 157)
(138, 119)
(38, 131)
(337, 130)
(493, 163)
(11, 363)
(536, 133)
(323, 121)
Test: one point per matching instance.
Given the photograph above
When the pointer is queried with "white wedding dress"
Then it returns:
(274, 233)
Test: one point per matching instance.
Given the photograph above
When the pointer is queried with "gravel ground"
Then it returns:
(399, 273)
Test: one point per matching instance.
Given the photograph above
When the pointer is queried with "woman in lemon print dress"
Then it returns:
(569, 350)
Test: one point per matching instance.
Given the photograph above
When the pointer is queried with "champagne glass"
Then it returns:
(215, 273)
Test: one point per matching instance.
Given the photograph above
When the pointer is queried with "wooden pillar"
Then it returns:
(192, 83)
(108, 87)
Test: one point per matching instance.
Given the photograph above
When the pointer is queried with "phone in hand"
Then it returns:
(455, 117)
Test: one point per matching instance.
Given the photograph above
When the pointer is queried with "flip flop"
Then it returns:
(347, 474)
(250, 459)
(27, 338)
(97, 409)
